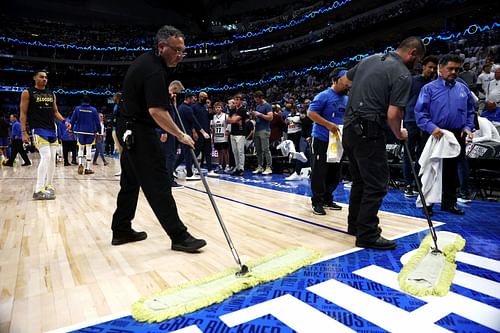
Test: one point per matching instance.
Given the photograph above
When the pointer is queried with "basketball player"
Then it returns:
(85, 123)
(39, 107)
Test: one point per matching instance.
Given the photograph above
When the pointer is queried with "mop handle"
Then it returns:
(419, 188)
(210, 196)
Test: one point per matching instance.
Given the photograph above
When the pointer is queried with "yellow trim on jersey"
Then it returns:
(79, 144)
(38, 141)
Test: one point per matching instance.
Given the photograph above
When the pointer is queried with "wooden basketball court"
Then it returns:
(58, 268)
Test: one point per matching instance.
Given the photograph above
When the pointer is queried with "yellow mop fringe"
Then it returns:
(195, 295)
(448, 266)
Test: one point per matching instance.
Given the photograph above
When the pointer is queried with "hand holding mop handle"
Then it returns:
(243, 268)
(419, 188)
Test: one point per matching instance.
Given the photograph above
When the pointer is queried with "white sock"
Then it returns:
(80, 154)
(89, 156)
(43, 167)
(52, 166)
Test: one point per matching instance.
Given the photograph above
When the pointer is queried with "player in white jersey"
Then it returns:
(220, 135)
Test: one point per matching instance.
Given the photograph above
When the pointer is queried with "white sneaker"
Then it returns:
(212, 173)
(300, 157)
(258, 170)
(119, 173)
(268, 171)
(228, 169)
(193, 177)
(294, 176)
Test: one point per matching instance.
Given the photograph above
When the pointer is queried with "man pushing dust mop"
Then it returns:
(380, 90)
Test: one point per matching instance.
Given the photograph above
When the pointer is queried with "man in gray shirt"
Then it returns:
(380, 90)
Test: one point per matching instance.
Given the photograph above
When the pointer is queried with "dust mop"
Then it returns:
(198, 294)
(195, 295)
(430, 271)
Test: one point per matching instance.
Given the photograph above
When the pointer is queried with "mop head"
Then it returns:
(428, 273)
(194, 295)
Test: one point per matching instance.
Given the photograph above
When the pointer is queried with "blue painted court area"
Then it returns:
(358, 291)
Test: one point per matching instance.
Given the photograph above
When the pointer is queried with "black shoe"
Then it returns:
(453, 209)
(332, 205)
(189, 244)
(318, 210)
(380, 244)
(176, 186)
(409, 192)
(67, 164)
(353, 232)
(74, 162)
(238, 173)
(128, 237)
(429, 210)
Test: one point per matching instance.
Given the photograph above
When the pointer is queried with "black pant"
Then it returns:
(69, 146)
(325, 177)
(416, 143)
(144, 167)
(17, 147)
(450, 176)
(205, 147)
(370, 176)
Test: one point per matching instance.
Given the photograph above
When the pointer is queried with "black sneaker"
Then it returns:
(409, 192)
(318, 210)
(189, 244)
(128, 237)
(332, 205)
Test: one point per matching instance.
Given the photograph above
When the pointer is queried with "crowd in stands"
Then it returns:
(337, 26)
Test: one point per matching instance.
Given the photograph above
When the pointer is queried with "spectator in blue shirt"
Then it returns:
(16, 141)
(491, 112)
(327, 112)
(447, 104)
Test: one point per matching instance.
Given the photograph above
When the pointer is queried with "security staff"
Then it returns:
(380, 89)
(145, 104)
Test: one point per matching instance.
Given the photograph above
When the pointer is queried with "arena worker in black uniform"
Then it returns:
(39, 108)
(380, 90)
(145, 107)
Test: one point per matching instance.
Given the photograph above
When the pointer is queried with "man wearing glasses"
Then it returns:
(145, 107)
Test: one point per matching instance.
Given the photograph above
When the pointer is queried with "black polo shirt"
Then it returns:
(145, 86)
(377, 82)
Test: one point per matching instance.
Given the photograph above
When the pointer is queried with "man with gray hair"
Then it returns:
(145, 107)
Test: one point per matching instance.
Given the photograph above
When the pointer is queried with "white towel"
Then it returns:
(486, 131)
(431, 165)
